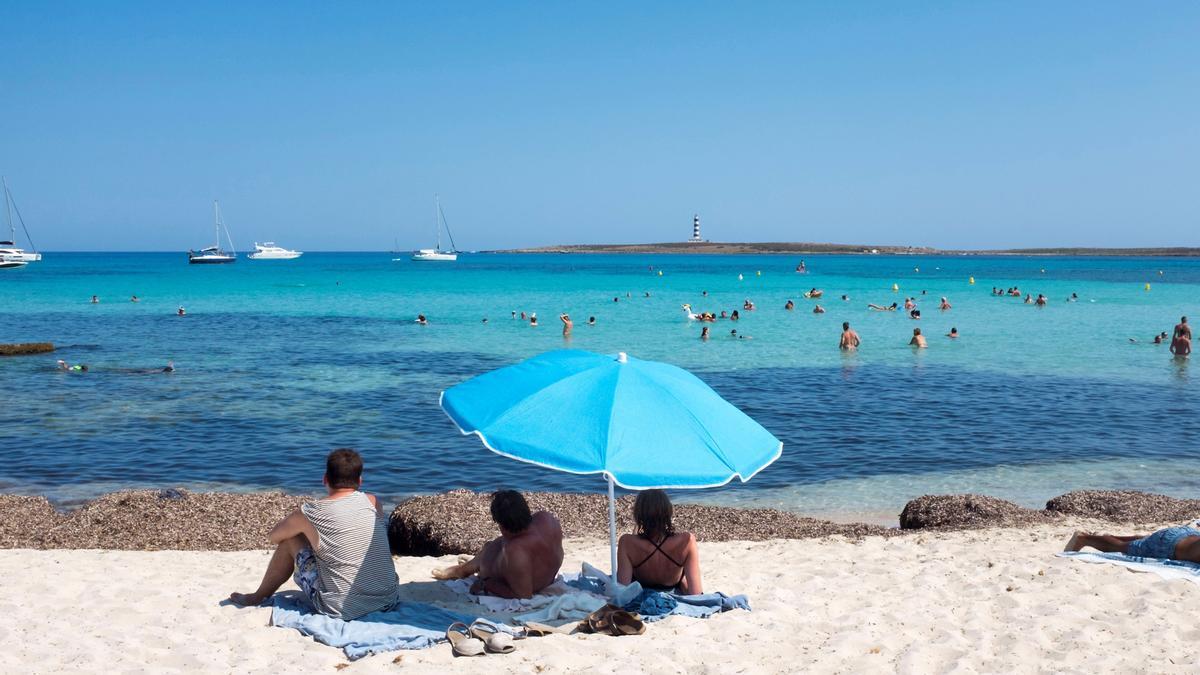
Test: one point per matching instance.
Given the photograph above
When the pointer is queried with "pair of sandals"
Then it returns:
(612, 620)
(478, 639)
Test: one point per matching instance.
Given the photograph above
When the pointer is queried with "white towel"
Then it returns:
(1167, 569)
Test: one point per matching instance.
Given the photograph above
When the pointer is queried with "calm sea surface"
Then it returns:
(278, 361)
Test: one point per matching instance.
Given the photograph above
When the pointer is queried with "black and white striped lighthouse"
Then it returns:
(696, 228)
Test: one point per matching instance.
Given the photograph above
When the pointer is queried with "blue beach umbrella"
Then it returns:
(640, 424)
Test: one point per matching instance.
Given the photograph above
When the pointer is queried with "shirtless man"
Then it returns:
(567, 324)
(849, 338)
(945, 304)
(1181, 344)
(1183, 328)
(918, 340)
(523, 560)
(881, 308)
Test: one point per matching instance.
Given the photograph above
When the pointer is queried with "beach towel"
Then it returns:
(571, 598)
(658, 605)
(408, 625)
(1167, 569)
(510, 605)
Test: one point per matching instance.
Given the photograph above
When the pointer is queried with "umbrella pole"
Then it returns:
(612, 533)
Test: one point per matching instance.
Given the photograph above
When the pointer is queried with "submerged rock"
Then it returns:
(459, 521)
(1125, 506)
(965, 512)
(23, 348)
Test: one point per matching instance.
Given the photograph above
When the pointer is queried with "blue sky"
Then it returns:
(330, 126)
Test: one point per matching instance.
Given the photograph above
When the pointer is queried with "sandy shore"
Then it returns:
(990, 600)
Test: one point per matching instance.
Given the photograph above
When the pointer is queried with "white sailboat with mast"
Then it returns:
(10, 254)
(213, 254)
(437, 254)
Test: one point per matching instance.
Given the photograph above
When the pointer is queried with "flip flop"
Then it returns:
(461, 642)
(626, 623)
(493, 640)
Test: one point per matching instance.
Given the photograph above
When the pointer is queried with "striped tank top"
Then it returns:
(355, 574)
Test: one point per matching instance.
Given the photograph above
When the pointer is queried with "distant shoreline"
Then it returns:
(804, 248)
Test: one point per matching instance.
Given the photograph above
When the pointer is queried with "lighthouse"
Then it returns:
(696, 228)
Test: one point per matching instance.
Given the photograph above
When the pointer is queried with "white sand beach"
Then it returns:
(988, 601)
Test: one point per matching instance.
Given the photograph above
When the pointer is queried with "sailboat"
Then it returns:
(10, 254)
(437, 254)
(213, 254)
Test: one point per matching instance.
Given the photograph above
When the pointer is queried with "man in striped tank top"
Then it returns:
(335, 549)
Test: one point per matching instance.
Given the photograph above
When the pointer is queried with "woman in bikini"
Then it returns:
(658, 557)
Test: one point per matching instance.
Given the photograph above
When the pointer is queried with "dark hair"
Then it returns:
(652, 511)
(343, 468)
(510, 511)
(845, 325)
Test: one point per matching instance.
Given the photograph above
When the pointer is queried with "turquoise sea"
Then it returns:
(278, 361)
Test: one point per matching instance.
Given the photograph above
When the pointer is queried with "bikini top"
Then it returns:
(658, 549)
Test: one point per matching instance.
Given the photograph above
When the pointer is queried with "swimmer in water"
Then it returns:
(169, 368)
(817, 309)
(734, 316)
(704, 333)
(1160, 338)
(1073, 298)
(1183, 328)
(567, 324)
(533, 319)
(790, 305)
(422, 320)
(915, 315)
(849, 340)
(953, 333)
(523, 317)
(734, 334)
(879, 308)
(704, 293)
(591, 321)
(1028, 299)
(747, 305)
(845, 298)
(724, 315)
(181, 311)
(483, 320)
(918, 340)
(514, 314)
(616, 299)
(945, 304)
(134, 299)
(95, 300)
(63, 366)
(909, 304)
(647, 294)
(1041, 300)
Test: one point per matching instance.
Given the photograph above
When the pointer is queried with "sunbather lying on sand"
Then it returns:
(657, 556)
(337, 548)
(523, 560)
(1173, 543)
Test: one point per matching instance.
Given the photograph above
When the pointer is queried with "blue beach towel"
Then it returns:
(658, 605)
(409, 625)
(1167, 569)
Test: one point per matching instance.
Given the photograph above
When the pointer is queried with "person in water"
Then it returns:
(533, 319)
(181, 311)
(953, 333)
(945, 304)
(334, 548)
(1183, 328)
(523, 560)
(134, 299)
(95, 300)
(656, 556)
(704, 333)
(1172, 543)
(849, 340)
(567, 324)
(1041, 300)
(845, 298)
(591, 321)
(789, 305)
(78, 368)
(880, 308)
(422, 320)
(1181, 344)
(734, 316)
(915, 314)
(917, 340)
(817, 309)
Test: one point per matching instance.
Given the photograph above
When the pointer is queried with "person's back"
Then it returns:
(658, 557)
(542, 543)
(354, 562)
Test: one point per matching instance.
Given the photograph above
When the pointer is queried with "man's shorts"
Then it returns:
(1161, 544)
(305, 575)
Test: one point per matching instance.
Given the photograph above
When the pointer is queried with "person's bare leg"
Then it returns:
(1106, 543)
(279, 570)
(466, 568)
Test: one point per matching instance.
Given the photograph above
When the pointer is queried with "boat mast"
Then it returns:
(437, 221)
(217, 224)
(12, 229)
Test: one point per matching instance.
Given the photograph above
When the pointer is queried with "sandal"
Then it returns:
(626, 623)
(461, 641)
(494, 641)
